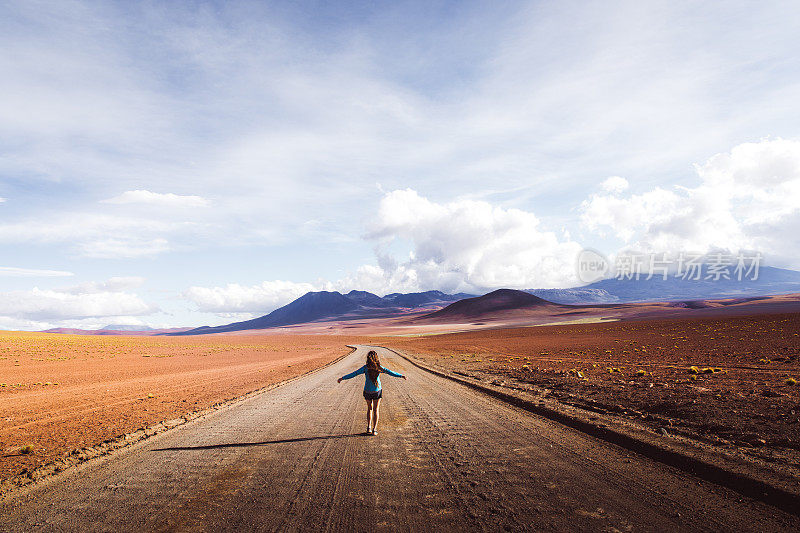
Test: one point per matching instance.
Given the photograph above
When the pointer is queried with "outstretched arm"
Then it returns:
(353, 374)
(393, 373)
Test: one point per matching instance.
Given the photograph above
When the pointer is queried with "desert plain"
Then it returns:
(60, 393)
(729, 380)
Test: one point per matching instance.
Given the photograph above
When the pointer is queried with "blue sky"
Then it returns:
(191, 163)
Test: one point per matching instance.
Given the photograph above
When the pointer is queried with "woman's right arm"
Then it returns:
(393, 373)
(354, 373)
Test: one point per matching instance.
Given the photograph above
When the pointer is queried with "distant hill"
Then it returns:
(578, 295)
(314, 306)
(105, 331)
(771, 281)
(126, 327)
(489, 304)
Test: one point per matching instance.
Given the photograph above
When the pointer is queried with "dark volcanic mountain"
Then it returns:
(499, 300)
(322, 305)
(309, 307)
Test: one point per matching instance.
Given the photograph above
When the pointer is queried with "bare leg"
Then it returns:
(369, 415)
(375, 414)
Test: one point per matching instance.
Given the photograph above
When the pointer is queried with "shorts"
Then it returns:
(377, 395)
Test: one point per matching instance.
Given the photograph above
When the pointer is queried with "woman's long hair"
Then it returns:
(374, 367)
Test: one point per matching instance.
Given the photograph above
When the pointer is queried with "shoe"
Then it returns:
(374, 432)
(368, 432)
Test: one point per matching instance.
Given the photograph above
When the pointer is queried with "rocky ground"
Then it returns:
(730, 381)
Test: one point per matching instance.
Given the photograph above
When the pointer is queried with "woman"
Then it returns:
(372, 387)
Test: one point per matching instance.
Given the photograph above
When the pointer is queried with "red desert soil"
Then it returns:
(63, 392)
(741, 393)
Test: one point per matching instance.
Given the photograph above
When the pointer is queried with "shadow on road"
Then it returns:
(245, 444)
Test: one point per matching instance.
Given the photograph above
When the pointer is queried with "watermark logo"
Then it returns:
(592, 266)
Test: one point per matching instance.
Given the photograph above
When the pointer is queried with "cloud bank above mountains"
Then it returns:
(742, 200)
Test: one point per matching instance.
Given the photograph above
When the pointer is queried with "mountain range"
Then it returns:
(769, 281)
(358, 305)
(318, 306)
(314, 306)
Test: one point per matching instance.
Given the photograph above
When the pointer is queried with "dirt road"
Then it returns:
(446, 457)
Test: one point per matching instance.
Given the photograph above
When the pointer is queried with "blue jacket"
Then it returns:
(369, 386)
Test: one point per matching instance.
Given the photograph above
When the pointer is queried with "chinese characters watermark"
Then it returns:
(593, 266)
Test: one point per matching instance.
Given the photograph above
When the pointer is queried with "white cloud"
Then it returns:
(104, 236)
(745, 199)
(614, 184)
(123, 248)
(22, 324)
(468, 245)
(48, 305)
(86, 305)
(72, 227)
(235, 298)
(100, 235)
(115, 284)
(627, 215)
(33, 272)
(159, 199)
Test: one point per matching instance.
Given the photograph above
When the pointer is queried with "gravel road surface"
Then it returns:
(445, 457)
